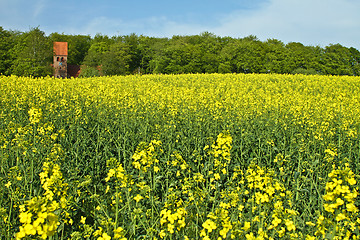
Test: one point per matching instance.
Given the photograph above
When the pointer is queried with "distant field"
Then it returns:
(200, 156)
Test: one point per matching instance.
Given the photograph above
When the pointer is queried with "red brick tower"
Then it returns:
(60, 59)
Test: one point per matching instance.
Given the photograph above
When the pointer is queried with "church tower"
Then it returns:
(60, 59)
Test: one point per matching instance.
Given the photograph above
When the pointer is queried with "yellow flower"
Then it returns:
(162, 233)
(352, 181)
(25, 217)
(310, 223)
(181, 223)
(340, 217)
(104, 236)
(329, 196)
(118, 233)
(206, 237)
(170, 228)
(276, 221)
(351, 207)
(281, 232)
(246, 226)
(290, 225)
(329, 207)
(290, 211)
(83, 220)
(34, 115)
(137, 165)
(209, 225)
(250, 236)
(110, 174)
(21, 233)
(98, 232)
(29, 229)
(138, 198)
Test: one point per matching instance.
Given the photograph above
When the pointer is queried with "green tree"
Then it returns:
(118, 60)
(95, 54)
(302, 59)
(178, 55)
(246, 55)
(148, 48)
(210, 48)
(337, 60)
(355, 61)
(6, 43)
(93, 60)
(156, 55)
(133, 42)
(32, 54)
(275, 57)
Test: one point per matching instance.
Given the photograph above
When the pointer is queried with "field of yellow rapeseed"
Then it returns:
(201, 156)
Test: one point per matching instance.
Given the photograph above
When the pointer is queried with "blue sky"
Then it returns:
(311, 22)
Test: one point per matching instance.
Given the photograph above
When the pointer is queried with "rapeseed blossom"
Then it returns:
(35, 115)
(340, 208)
(40, 215)
(203, 156)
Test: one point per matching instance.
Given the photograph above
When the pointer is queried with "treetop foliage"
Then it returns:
(30, 54)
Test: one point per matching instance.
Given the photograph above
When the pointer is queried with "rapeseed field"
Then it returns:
(198, 156)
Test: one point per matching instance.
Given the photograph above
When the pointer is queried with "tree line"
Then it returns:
(30, 54)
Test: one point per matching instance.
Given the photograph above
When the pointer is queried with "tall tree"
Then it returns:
(355, 61)
(95, 55)
(6, 43)
(32, 54)
(246, 55)
(337, 60)
(133, 42)
(153, 54)
(210, 48)
(302, 59)
(118, 60)
(275, 56)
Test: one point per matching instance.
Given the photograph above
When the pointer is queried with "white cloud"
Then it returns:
(311, 22)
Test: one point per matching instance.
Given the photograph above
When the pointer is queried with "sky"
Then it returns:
(311, 22)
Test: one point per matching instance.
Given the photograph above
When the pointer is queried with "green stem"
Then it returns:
(116, 208)
(9, 217)
(32, 164)
(297, 180)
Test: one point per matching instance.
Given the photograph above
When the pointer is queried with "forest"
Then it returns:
(30, 54)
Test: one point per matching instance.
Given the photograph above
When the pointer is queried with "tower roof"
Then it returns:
(61, 48)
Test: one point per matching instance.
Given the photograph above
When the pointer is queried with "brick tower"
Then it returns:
(60, 59)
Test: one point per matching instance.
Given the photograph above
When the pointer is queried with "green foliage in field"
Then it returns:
(203, 156)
